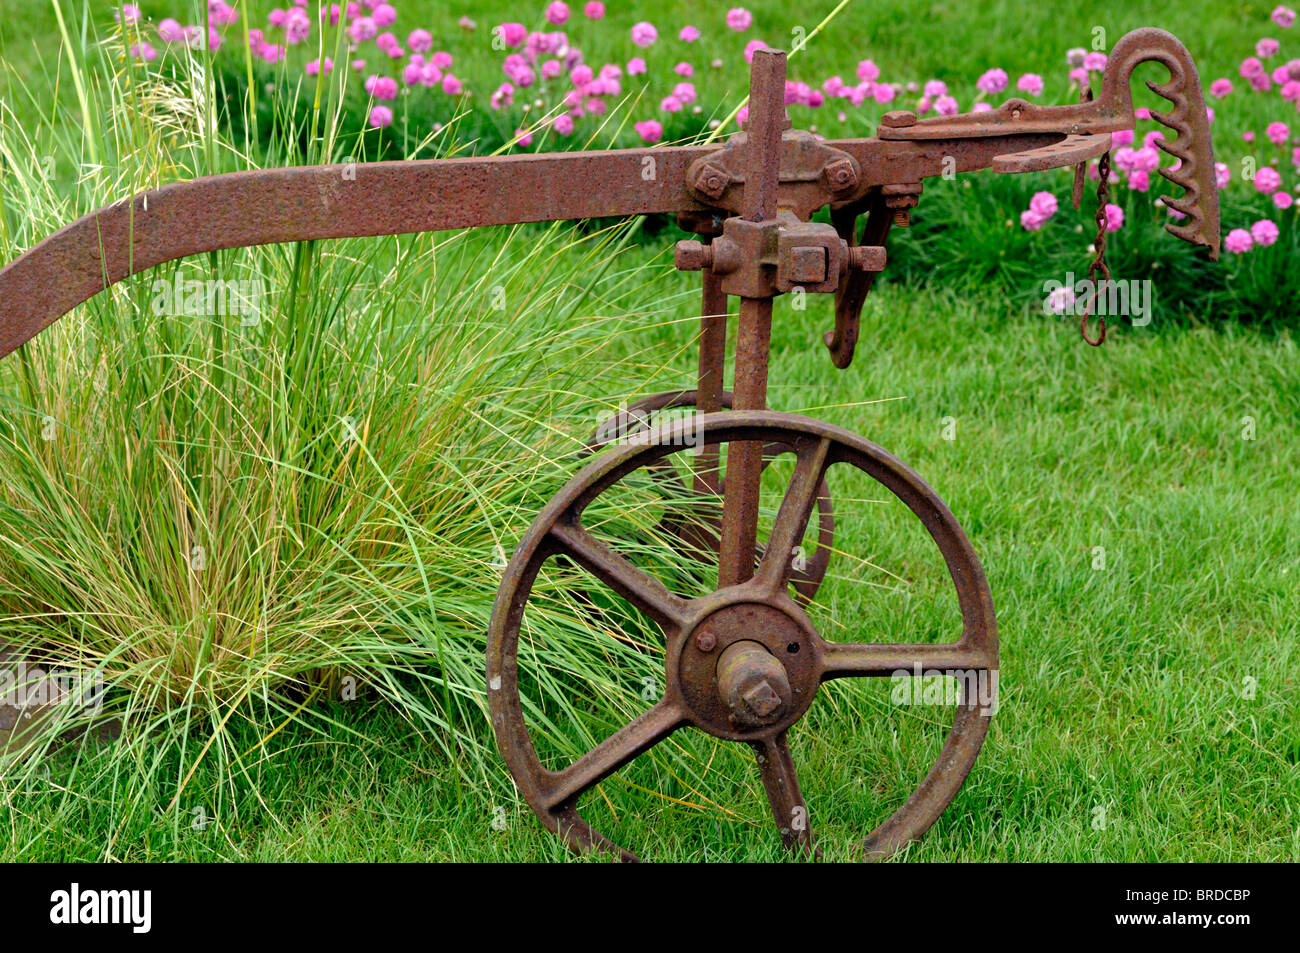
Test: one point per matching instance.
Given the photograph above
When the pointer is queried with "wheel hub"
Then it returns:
(748, 670)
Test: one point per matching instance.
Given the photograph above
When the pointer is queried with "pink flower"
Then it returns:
(981, 108)
(739, 19)
(420, 41)
(512, 34)
(1030, 83)
(1277, 133)
(1267, 48)
(635, 66)
(1282, 200)
(1248, 136)
(316, 67)
(1267, 180)
(1251, 66)
(993, 81)
(143, 51)
(504, 95)
(557, 13)
(689, 34)
(1079, 76)
(523, 138)
(581, 75)
(670, 104)
(170, 31)
(752, 47)
(1261, 83)
(385, 15)
(649, 131)
(593, 11)
(1283, 16)
(1220, 88)
(1114, 217)
(1264, 232)
(946, 106)
(452, 86)
(1122, 137)
(935, 88)
(685, 92)
(1061, 300)
(1139, 181)
(644, 34)
(1043, 204)
(1238, 242)
(380, 116)
(221, 13)
(684, 69)
(1030, 221)
(1222, 175)
(1291, 91)
(564, 122)
(441, 59)
(552, 69)
(883, 93)
(362, 29)
(868, 71)
(1095, 62)
(381, 87)
(128, 14)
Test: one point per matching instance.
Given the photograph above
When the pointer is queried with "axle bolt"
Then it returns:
(706, 641)
(753, 684)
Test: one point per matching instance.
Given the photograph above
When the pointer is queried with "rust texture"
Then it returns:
(743, 663)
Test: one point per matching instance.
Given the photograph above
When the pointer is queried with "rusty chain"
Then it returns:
(1098, 264)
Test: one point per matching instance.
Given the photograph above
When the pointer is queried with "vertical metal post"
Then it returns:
(713, 354)
(754, 333)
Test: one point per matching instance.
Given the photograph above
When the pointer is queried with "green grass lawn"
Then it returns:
(1133, 507)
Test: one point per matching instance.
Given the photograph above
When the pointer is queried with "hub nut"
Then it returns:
(753, 684)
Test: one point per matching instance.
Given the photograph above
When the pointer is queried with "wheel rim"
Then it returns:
(557, 530)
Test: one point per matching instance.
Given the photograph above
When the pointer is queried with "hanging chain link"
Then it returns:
(1098, 266)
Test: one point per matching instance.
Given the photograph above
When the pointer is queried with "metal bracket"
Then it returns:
(812, 174)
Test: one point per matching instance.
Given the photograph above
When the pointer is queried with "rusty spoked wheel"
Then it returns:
(742, 663)
(701, 531)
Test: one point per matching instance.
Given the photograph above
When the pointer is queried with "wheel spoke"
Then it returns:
(840, 660)
(634, 738)
(639, 588)
(782, 784)
(792, 518)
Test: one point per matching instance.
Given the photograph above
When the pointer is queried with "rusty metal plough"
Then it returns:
(744, 662)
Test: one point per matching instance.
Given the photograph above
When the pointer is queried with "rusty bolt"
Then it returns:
(752, 684)
(808, 264)
(867, 258)
(706, 641)
(840, 175)
(762, 700)
(712, 181)
(691, 255)
(902, 217)
(898, 118)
